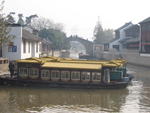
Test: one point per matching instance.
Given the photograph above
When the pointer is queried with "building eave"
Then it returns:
(145, 20)
(125, 25)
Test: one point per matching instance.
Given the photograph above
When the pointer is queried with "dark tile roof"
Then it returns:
(46, 41)
(132, 31)
(125, 25)
(145, 20)
(129, 40)
(13, 25)
(29, 36)
(114, 39)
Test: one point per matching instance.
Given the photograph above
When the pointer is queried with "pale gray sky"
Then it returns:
(80, 16)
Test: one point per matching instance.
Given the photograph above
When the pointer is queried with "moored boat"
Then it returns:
(70, 73)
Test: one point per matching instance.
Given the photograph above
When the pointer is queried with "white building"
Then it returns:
(119, 36)
(23, 45)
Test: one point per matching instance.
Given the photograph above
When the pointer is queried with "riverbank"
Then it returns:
(132, 57)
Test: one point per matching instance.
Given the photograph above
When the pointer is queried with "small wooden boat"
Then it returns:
(70, 73)
(4, 66)
(84, 56)
(64, 53)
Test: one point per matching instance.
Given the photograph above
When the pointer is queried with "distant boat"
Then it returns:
(84, 56)
(70, 73)
(64, 53)
(4, 66)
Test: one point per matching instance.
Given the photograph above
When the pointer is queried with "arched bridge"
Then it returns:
(87, 44)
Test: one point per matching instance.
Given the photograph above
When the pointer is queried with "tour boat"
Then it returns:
(70, 73)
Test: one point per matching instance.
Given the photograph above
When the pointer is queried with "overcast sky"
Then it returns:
(80, 16)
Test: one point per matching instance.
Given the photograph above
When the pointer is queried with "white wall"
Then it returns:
(17, 41)
(37, 54)
(32, 52)
(17, 32)
(39, 49)
(27, 54)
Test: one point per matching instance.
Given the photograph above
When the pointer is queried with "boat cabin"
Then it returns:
(69, 70)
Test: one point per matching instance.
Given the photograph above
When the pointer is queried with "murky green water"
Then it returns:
(134, 99)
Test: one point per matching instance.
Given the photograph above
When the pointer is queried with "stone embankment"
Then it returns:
(132, 56)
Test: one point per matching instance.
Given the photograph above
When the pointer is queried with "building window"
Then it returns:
(29, 47)
(116, 47)
(132, 45)
(12, 48)
(145, 38)
(75, 75)
(37, 46)
(146, 49)
(24, 46)
(106, 47)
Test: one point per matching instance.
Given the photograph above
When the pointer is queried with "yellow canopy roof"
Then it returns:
(73, 63)
(72, 66)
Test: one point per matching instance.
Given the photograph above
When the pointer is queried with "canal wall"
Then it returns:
(132, 56)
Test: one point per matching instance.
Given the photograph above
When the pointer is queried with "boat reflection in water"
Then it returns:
(134, 99)
(66, 100)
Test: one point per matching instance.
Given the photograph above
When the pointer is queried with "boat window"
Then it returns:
(45, 73)
(96, 76)
(65, 74)
(55, 74)
(33, 72)
(23, 71)
(85, 75)
(75, 75)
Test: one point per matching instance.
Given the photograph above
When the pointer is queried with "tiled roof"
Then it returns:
(46, 41)
(125, 25)
(145, 20)
(128, 40)
(13, 25)
(114, 39)
(29, 36)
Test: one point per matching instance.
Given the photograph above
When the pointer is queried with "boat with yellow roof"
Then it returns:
(70, 73)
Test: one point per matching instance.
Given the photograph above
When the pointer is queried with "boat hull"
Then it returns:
(61, 84)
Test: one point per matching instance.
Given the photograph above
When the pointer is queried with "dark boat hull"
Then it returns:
(40, 83)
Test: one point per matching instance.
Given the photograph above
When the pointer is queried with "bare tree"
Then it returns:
(102, 35)
(28, 19)
(4, 30)
(10, 18)
(44, 23)
(59, 26)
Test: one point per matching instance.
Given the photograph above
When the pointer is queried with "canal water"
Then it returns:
(133, 99)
